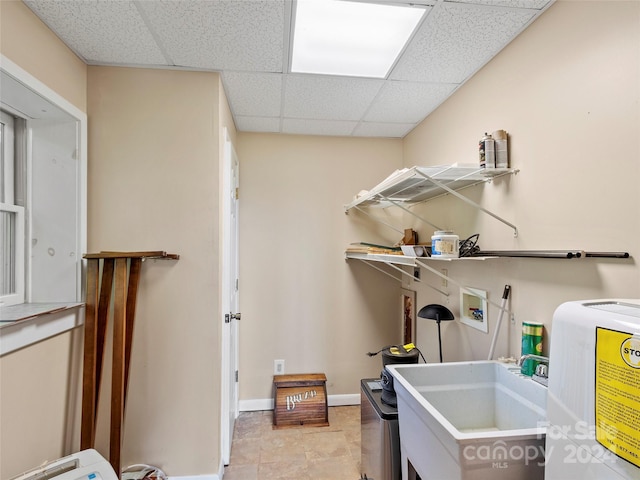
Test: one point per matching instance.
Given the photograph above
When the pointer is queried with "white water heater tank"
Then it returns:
(593, 403)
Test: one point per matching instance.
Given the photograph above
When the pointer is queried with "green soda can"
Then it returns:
(531, 344)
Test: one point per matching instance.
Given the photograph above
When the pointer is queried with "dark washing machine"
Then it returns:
(380, 437)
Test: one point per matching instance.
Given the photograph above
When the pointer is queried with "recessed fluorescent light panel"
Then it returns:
(337, 37)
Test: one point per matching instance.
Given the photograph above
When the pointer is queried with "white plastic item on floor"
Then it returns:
(593, 402)
(84, 465)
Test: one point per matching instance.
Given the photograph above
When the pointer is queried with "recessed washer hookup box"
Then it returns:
(300, 400)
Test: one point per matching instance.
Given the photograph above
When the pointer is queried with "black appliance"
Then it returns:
(394, 355)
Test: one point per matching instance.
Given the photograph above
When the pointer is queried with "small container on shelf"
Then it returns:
(445, 244)
(414, 250)
(501, 138)
(487, 152)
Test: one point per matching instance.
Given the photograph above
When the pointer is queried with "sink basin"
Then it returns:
(470, 420)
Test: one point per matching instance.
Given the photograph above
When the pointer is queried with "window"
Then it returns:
(12, 215)
(43, 195)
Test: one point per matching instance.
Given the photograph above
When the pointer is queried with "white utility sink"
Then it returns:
(470, 420)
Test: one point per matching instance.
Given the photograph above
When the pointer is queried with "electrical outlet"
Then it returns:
(278, 367)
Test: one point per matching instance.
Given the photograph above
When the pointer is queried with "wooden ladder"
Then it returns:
(120, 275)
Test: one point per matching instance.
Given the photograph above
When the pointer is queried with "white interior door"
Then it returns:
(230, 296)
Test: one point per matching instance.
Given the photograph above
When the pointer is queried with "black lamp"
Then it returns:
(438, 313)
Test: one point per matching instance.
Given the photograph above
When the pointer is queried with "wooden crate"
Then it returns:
(300, 400)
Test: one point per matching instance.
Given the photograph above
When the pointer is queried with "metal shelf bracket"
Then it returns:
(468, 201)
(392, 227)
(399, 279)
(402, 207)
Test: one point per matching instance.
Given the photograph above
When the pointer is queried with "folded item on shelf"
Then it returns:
(362, 247)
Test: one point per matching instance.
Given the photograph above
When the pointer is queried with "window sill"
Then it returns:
(29, 323)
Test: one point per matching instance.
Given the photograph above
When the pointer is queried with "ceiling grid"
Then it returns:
(249, 43)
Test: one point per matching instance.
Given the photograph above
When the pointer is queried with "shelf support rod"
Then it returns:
(469, 201)
(378, 220)
(459, 285)
(402, 272)
(399, 205)
(382, 270)
(446, 294)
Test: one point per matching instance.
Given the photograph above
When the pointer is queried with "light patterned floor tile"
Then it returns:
(301, 453)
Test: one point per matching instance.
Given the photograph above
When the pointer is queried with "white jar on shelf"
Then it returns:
(445, 244)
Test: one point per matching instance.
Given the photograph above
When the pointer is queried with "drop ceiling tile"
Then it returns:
(408, 102)
(248, 41)
(535, 4)
(389, 130)
(255, 94)
(328, 98)
(221, 34)
(101, 32)
(317, 127)
(257, 124)
(455, 40)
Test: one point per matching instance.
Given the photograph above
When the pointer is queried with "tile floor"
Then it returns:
(302, 453)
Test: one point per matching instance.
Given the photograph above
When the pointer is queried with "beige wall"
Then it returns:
(568, 92)
(153, 183)
(39, 385)
(27, 41)
(40, 403)
(300, 300)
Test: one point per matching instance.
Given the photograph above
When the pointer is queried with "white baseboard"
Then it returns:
(343, 400)
(213, 476)
(256, 404)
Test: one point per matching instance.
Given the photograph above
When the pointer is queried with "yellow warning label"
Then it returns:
(617, 399)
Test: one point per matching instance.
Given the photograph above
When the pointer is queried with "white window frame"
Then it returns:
(8, 157)
(43, 325)
(17, 296)
(14, 247)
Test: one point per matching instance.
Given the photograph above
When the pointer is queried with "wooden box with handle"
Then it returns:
(300, 400)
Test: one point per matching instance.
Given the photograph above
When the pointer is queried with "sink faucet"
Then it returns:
(531, 356)
(541, 374)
